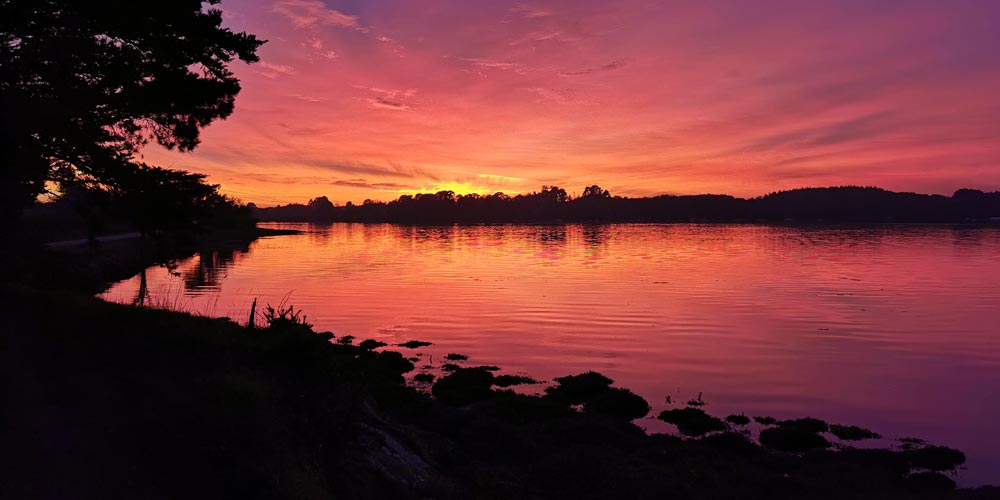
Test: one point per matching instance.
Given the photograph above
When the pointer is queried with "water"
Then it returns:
(895, 328)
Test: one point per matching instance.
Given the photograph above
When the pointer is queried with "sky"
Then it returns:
(371, 99)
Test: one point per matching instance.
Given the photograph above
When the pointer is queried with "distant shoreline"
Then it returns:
(835, 205)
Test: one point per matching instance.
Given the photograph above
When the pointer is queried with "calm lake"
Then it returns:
(896, 328)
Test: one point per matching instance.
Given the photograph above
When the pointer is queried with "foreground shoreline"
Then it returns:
(188, 404)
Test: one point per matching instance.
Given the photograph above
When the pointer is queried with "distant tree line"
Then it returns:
(553, 204)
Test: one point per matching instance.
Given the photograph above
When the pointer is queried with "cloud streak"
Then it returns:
(611, 66)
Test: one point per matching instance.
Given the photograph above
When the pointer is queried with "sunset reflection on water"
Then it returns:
(893, 327)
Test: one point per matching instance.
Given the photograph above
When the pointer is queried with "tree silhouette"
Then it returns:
(321, 203)
(83, 85)
(160, 199)
(596, 191)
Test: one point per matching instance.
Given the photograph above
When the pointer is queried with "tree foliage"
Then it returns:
(85, 84)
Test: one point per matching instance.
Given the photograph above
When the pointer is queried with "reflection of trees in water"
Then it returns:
(143, 293)
(211, 268)
(443, 236)
(551, 235)
(595, 235)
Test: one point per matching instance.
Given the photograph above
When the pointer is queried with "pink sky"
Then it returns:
(373, 99)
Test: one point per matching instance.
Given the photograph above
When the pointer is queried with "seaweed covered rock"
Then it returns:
(738, 419)
(934, 458)
(930, 481)
(393, 362)
(464, 386)
(731, 442)
(692, 421)
(512, 380)
(792, 439)
(577, 389)
(414, 344)
(807, 424)
(618, 403)
(515, 408)
(371, 344)
(852, 432)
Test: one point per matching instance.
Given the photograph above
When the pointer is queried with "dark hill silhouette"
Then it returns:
(851, 204)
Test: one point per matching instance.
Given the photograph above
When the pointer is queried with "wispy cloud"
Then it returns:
(385, 103)
(611, 66)
(530, 11)
(364, 184)
(490, 64)
(272, 71)
(307, 98)
(308, 13)
(500, 178)
(390, 99)
(558, 96)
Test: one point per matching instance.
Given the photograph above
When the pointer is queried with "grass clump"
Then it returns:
(456, 357)
(285, 317)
